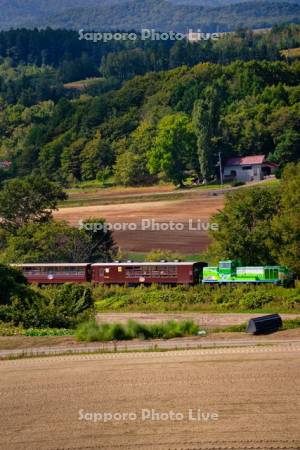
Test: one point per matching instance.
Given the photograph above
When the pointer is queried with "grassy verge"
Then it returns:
(7, 329)
(258, 299)
(289, 324)
(83, 84)
(121, 200)
(91, 331)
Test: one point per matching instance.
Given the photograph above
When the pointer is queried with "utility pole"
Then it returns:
(221, 170)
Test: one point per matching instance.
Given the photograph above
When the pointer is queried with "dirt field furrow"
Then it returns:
(189, 240)
(211, 399)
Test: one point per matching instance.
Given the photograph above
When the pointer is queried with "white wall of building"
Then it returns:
(244, 173)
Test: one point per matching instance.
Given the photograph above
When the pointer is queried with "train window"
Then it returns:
(135, 272)
(106, 270)
(120, 269)
(45, 270)
(151, 272)
(225, 265)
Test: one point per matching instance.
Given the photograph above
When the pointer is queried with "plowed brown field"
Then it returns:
(255, 393)
(199, 207)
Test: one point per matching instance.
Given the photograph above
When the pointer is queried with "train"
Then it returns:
(147, 273)
(229, 272)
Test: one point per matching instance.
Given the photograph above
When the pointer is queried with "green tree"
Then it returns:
(131, 169)
(12, 283)
(102, 246)
(30, 199)
(286, 224)
(47, 242)
(58, 242)
(173, 147)
(206, 121)
(95, 157)
(71, 160)
(285, 130)
(245, 226)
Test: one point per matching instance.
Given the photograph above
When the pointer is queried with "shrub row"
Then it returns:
(197, 298)
(91, 331)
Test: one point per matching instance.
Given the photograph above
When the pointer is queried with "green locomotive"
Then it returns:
(229, 272)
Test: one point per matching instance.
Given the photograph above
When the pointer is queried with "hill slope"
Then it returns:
(165, 15)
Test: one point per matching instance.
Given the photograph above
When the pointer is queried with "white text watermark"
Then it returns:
(150, 225)
(146, 34)
(148, 415)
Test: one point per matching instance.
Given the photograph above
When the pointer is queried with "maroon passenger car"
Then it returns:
(134, 273)
(56, 273)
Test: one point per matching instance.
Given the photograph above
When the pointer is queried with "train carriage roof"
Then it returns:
(52, 265)
(158, 263)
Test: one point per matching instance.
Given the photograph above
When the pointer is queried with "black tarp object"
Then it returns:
(264, 324)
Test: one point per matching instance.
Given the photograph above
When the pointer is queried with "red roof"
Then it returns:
(246, 160)
(5, 163)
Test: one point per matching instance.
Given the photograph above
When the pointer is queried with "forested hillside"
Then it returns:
(75, 59)
(181, 105)
(166, 15)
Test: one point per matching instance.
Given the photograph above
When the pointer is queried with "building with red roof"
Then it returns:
(248, 168)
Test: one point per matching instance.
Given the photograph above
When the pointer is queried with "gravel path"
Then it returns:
(205, 320)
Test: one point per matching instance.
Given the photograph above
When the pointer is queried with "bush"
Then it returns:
(255, 300)
(91, 331)
(196, 298)
(55, 307)
(8, 329)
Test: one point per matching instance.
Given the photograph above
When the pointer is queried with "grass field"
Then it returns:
(83, 84)
(292, 53)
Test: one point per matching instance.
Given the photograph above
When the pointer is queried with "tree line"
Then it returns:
(75, 59)
(165, 125)
(260, 226)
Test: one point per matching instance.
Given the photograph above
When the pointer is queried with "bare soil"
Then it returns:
(197, 208)
(255, 393)
(207, 321)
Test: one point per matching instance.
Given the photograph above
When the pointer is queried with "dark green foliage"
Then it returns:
(285, 242)
(173, 147)
(58, 242)
(62, 307)
(242, 107)
(12, 283)
(26, 200)
(70, 300)
(260, 226)
(245, 226)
